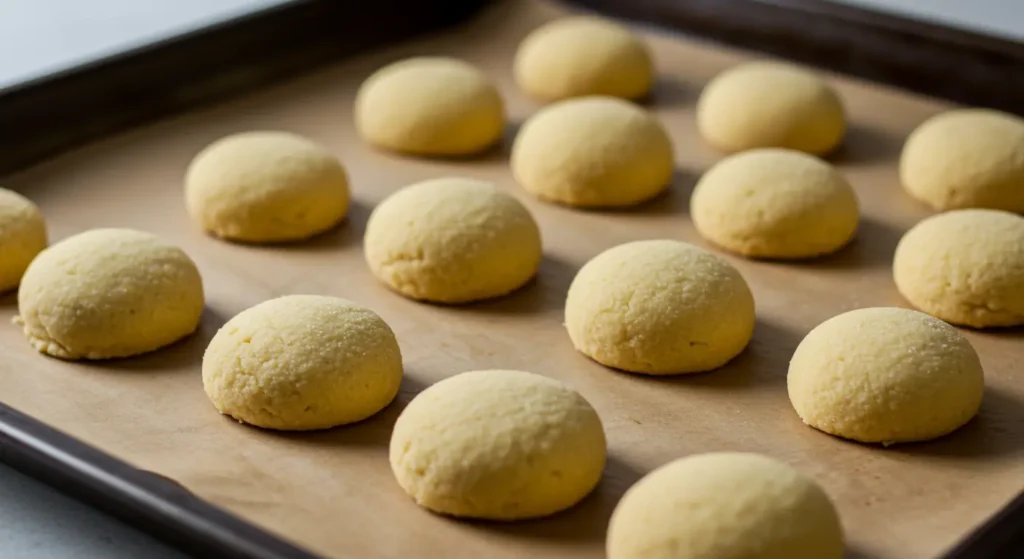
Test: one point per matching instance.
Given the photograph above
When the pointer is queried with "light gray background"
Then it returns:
(38, 37)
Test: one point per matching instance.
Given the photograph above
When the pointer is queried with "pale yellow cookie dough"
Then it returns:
(500, 445)
(965, 267)
(452, 240)
(966, 158)
(770, 104)
(264, 187)
(583, 55)
(885, 375)
(593, 152)
(775, 203)
(430, 106)
(726, 505)
(659, 307)
(109, 293)
(22, 237)
(302, 362)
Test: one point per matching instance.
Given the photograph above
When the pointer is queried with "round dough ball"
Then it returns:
(966, 158)
(265, 187)
(885, 375)
(452, 240)
(22, 237)
(500, 445)
(659, 307)
(770, 104)
(302, 362)
(430, 106)
(593, 152)
(109, 293)
(583, 55)
(727, 505)
(965, 267)
(775, 203)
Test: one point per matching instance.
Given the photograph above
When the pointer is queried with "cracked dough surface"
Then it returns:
(452, 240)
(775, 203)
(966, 158)
(770, 104)
(498, 444)
(109, 293)
(726, 505)
(265, 187)
(583, 55)
(593, 152)
(885, 375)
(965, 267)
(430, 106)
(22, 237)
(659, 307)
(302, 362)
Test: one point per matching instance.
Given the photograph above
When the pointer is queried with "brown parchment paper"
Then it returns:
(333, 491)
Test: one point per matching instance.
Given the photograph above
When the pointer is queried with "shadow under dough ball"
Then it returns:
(659, 307)
(725, 505)
(885, 375)
(580, 56)
(452, 240)
(302, 362)
(22, 237)
(965, 267)
(109, 293)
(500, 445)
(770, 104)
(430, 106)
(266, 187)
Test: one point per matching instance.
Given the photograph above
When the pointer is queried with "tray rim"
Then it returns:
(170, 512)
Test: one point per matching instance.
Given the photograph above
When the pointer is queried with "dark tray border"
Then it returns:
(47, 116)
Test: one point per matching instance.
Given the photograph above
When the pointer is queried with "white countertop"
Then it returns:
(41, 36)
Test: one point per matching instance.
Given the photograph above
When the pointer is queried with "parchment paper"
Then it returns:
(333, 491)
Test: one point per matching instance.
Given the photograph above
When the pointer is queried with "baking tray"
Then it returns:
(41, 119)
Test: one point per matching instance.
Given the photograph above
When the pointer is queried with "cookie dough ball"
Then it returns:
(302, 362)
(885, 375)
(659, 307)
(500, 445)
(965, 267)
(727, 505)
(109, 293)
(430, 106)
(770, 104)
(583, 55)
(593, 152)
(452, 240)
(966, 158)
(775, 203)
(266, 187)
(22, 237)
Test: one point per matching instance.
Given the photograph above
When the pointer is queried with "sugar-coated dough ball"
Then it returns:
(501, 445)
(583, 55)
(966, 158)
(302, 362)
(965, 267)
(262, 187)
(725, 505)
(452, 240)
(109, 293)
(775, 203)
(430, 106)
(659, 307)
(22, 237)
(885, 375)
(593, 152)
(770, 104)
